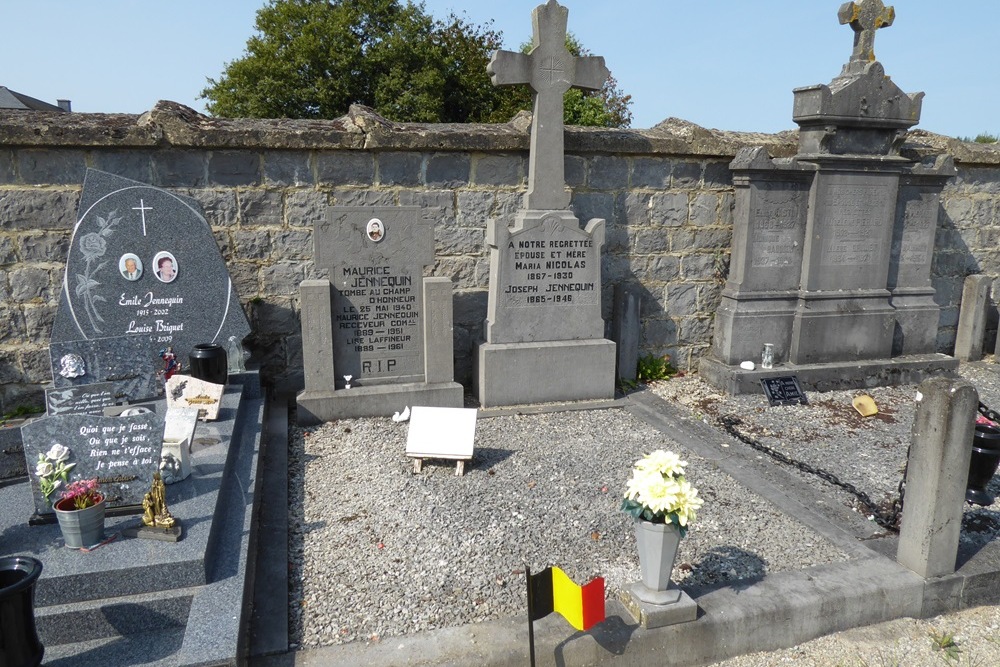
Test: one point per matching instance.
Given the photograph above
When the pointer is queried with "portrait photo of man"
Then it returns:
(130, 266)
(375, 230)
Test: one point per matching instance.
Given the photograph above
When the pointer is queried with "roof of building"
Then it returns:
(10, 99)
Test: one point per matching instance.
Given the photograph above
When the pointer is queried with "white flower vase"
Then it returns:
(657, 544)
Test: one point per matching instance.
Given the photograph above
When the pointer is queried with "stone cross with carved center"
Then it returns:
(865, 17)
(550, 69)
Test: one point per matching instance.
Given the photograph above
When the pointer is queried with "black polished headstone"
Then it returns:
(143, 262)
(122, 453)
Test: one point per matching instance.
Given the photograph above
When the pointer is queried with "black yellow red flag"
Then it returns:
(552, 590)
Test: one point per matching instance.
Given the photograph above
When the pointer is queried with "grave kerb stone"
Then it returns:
(969, 339)
(937, 471)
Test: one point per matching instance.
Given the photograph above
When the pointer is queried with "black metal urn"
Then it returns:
(19, 644)
(983, 464)
(209, 363)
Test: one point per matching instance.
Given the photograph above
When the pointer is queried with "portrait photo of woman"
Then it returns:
(165, 267)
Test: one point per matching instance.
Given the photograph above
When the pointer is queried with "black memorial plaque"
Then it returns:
(783, 390)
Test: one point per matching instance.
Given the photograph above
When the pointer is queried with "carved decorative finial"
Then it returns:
(865, 17)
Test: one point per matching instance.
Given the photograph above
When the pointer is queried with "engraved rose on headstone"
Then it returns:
(93, 246)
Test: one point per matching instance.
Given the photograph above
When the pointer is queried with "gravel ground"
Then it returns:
(378, 551)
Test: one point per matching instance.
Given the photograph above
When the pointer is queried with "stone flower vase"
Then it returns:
(983, 464)
(81, 529)
(209, 363)
(19, 645)
(657, 544)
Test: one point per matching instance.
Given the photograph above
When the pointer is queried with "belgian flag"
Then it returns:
(551, 590)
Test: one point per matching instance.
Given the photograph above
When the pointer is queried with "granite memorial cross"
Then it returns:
(544, 328)
(551, 70)
(865, 18)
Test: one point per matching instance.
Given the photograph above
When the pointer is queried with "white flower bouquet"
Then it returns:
(52, 470)
(658, 491)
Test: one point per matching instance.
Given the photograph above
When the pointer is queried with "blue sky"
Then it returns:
(727, 64)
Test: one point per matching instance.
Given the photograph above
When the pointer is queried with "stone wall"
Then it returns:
(666, 194)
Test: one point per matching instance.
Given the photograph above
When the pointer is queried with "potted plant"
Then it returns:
(80, 512)
(663, 504)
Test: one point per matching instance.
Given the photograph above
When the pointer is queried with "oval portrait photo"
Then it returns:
(375, 230)
(165, 267)
(130, 266)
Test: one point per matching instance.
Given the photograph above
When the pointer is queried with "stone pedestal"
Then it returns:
(652, 616)
(545, 372)
(544, 328)
(322, 400)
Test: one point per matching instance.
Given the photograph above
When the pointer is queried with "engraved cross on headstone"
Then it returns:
(142, 208)
(865, 17)
(550, 69)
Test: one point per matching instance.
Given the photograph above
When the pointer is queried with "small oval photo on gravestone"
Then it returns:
(181, 297)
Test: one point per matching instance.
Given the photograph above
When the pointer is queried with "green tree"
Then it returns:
(314, 58)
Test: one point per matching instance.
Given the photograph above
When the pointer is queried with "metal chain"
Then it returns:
(985, 411)
(887, 519)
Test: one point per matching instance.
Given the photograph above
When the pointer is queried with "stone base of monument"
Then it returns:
(678, 607)
(832, 376)
(316, 407)
(142, 602)
(151, 533)
(545, 372)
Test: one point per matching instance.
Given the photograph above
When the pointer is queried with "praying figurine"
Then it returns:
(169, 362)
(154, 506)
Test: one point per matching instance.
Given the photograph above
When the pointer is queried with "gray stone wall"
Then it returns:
(666, 194)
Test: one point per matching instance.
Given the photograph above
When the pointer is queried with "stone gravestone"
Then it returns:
(122, 453)
(377, 335)
(832, 248)
(143, 263)
(544, 332)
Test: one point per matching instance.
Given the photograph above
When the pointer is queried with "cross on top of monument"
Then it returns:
(550, 70)
(865, 17)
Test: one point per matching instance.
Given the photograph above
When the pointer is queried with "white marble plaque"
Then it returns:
(184, 391)
(441, 433)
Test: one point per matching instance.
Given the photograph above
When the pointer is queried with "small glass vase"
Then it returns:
(767, 356)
